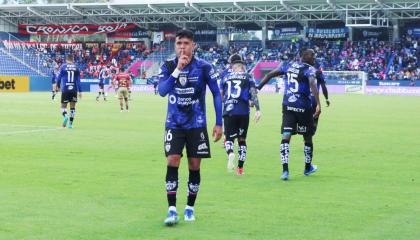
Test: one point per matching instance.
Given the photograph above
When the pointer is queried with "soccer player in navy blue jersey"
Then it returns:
(184, 80)
(320, 83)
(237, 88)
(298, 118)
(68, 81)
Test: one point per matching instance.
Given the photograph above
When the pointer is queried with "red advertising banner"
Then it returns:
(74, 29)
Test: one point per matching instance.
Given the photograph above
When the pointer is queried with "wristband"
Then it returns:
(176, 73)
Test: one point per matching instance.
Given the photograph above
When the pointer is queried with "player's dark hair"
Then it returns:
(70, 58)
(308, 56)
(185, 33)
(122, 69)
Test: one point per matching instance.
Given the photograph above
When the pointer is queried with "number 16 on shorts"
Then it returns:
(168, 139)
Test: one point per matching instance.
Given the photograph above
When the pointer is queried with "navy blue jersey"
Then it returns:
(54, 75)
(225, 72)
(236, 88)
(297, 91)
(319, 80)
(187, 94)
(69, 78)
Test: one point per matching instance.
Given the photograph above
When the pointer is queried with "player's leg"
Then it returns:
(173, 145)
(53, 92)
(129, 94)
(315, 119)
(121, 98)
(198, 147)
(64, 100)
(230, 134)
(126, 98)
(99, 92)
(72, 113)
(288, 129)
(307, 125)
(242, 148)
(194, 180)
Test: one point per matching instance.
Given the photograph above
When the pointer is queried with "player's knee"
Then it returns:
(174, 160)
(307, 139)
(194, 163)
(287, 136)
(241, 141)
(126, 99)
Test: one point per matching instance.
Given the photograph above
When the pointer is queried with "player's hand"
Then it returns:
(183, 61)
(317, 111)
(217, 133)
(80, 95)
(251, 104)
(328, 102)
(257, 116)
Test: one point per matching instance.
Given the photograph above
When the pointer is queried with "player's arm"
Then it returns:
(59, 77)
(129, 82)
(222, 93)
(321, 79)
(254, 98)
(166, 78)
(325, 93)
(211, 77)
(314, 89)
(270, 75)
(79, 85)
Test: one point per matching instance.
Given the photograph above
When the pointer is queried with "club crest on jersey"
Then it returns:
(202, 136)
(167, 147)
(183, 80)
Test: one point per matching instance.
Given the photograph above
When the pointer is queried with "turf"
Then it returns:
(104, 179)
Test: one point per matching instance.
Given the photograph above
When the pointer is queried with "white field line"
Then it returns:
(23, 125)
(30, 131)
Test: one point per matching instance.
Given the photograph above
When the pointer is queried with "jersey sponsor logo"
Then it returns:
(294, 109)
(187, 101)
(292, 99)
(182, 91)
(231, 101)
(229, 107)
(202, 146)
(192, 79)
(172, 99)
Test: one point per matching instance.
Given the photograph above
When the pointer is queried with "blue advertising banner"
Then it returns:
(286, 31)
(405, 83)
(414, 31)
(42, 84)
(327, 33)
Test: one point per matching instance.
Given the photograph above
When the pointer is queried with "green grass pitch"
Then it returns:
(104, 179)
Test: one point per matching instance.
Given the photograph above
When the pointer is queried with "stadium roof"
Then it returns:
(218, 13)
